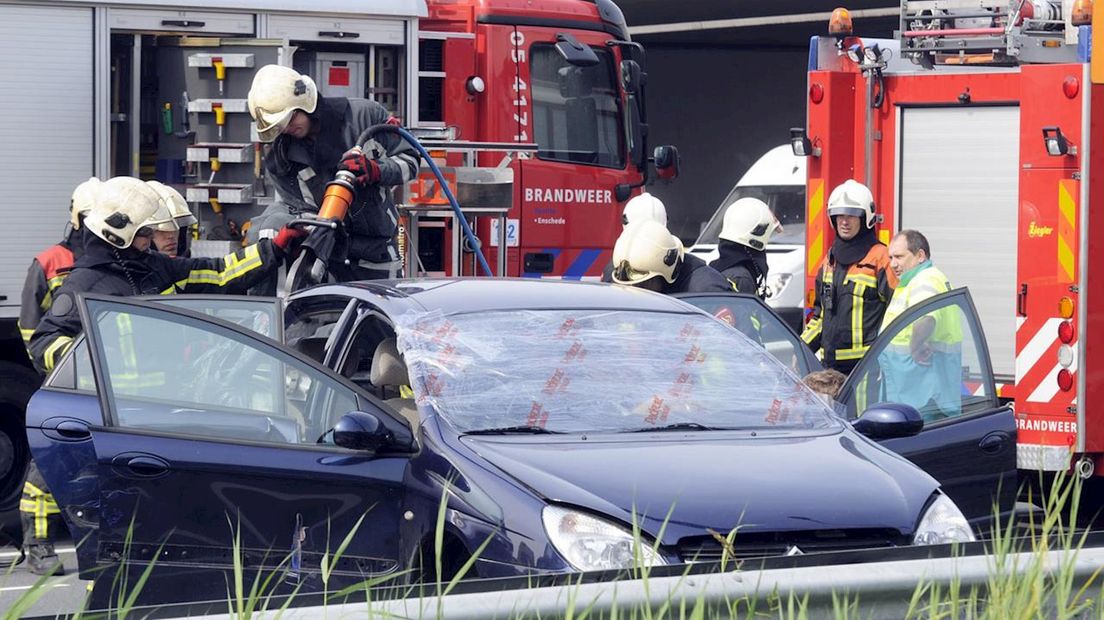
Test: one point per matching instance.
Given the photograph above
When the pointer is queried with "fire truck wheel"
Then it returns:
(17, 384)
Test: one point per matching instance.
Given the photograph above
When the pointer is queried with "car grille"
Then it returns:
(763, 544)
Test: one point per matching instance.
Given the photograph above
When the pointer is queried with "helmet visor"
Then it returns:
(625, 274)
(271, 124)
(858, 212)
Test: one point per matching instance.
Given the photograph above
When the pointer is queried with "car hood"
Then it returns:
(719, 480)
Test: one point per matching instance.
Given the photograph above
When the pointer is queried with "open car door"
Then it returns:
(968, 442)
(221, 433)
(755, 319)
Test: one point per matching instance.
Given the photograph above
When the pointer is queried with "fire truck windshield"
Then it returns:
(576, 110)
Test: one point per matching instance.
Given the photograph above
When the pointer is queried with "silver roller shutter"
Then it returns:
(46, 128)
(959, 186)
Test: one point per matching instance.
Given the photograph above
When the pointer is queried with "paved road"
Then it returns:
(65, 594)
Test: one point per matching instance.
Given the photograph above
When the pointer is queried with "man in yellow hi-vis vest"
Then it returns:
(923, 364)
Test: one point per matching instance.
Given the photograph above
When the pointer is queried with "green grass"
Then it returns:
(1026, 590)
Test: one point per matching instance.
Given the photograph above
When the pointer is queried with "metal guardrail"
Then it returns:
(877, 589)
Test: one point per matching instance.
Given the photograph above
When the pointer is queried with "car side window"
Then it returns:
(75, 371)
(934, 361)
(175, 374)
(309, 324)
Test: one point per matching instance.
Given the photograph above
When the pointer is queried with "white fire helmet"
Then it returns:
(749, 221)
(277, 92)
(646, 250)
(123, 206)
(175, 203)
(852, 198)
(84, 197)
(644, 207)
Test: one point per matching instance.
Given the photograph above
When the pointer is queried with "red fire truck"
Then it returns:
(561, 75)
(976, 126)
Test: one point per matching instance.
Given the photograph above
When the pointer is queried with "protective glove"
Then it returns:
(367, 171)
(286, 235)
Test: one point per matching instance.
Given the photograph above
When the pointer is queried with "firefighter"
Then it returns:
(312, 138)
(923, 364)
(745, 233)
(853, 282)
(176, 243)
(117, 261)
(643, 206)
(647, 256)
(38, 512)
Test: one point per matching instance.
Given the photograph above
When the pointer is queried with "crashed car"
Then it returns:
(551, 417)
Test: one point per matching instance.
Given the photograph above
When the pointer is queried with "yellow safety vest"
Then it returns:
(926, 283)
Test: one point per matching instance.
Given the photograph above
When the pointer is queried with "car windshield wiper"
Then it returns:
(680, 426)
(506, 430)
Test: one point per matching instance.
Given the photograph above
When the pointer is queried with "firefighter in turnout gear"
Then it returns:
(38, 512)
(117, 261)
(172, 240)
(312, 138)
(639, 208)
(647, 256)
(853, 283)
(50, 266)
(747, 229)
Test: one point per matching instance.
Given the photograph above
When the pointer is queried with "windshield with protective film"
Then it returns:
(578, 371)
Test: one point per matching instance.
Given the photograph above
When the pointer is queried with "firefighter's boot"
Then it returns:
(40, 518)
(43, 560)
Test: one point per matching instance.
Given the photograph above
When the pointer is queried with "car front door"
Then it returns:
(216, 445)
(968, 442)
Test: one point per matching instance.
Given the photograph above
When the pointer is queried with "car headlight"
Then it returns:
(776, 283)
(943, 523)
(590, 543)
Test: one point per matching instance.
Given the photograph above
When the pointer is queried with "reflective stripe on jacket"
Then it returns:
(847, 315)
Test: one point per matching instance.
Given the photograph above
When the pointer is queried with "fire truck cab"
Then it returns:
(975, 127)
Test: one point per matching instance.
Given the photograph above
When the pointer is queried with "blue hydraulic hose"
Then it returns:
(406, 135)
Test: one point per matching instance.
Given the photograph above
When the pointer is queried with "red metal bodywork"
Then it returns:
(1052, 248)
(579, 234)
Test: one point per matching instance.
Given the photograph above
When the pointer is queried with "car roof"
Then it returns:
(451, 295)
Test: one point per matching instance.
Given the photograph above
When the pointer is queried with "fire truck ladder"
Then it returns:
(986, 32)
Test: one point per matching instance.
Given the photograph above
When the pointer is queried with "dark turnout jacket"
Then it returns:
(104, 270)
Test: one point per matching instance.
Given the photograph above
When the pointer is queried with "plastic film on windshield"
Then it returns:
(598, 370)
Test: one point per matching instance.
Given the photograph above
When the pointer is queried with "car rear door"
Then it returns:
(756, 320)
(968, 442)
(213, 437)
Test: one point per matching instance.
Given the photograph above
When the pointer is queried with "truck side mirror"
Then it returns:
(632, 76)
(666, 162)
(574, 52)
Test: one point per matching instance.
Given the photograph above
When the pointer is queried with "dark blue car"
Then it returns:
(550, 416)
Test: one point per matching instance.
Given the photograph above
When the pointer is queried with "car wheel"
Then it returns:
(17, 384)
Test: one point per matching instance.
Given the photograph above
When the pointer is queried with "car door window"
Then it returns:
(754, 319)
(310, 323)
(258, 314)
(75, 370)
(933, 357)
(174, 373)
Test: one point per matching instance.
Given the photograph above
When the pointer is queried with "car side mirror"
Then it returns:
(358, 430)
(666, 162)
(889, 420)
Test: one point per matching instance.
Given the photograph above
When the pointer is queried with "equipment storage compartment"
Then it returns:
(181, 21)
(958, 183)
(349, 30)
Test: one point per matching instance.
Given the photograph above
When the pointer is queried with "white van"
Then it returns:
(778, 179)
